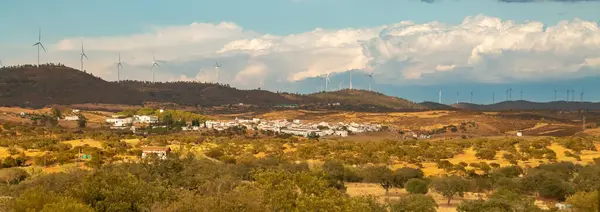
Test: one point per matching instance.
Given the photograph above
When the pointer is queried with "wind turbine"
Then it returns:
(82, 56)
(1, 64)
(217, 67)
(370, 79)
(471, 97)
(154, 64)
(521, 94)
(493, 97)
(440, 97)
(119, 66)
(350, 81)
(327, 81)
(340, 85)
(510, 94)
(555, 94)
(568, 93)
(39, 44)
(457, 94)
(581, 95)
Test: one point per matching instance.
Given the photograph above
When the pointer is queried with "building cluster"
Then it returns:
(295, 127)
(119, 122)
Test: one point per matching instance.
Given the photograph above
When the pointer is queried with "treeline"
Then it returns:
(185, 184)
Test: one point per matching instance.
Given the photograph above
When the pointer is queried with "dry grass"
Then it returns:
(4, 152)
(82, 142)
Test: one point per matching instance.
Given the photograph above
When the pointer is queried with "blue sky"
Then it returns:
(269, 38)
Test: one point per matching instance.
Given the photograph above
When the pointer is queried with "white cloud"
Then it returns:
(480, 49)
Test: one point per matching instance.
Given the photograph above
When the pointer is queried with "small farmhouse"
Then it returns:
(161, 152)
(71, 118)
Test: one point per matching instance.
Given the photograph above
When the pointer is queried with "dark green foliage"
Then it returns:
(417, 186)
(450, 186)
(414, 203)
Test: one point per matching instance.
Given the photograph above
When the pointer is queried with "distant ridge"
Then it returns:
(527, 105)
(50, 84)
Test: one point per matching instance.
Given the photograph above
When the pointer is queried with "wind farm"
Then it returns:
(300, 106)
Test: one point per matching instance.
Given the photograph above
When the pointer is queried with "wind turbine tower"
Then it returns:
(457, 95)
(370, 79)
(493, 97)
(119, 66)
(327, 81)
(39, 44)
(1, 64)
(471, 97)
(350, 80)
(82, 56)
(340, 85)
(154, 64)
(581, 100)
(217, 68)
(555, 94)
(568, 93)
(521, 94)
(440, 97)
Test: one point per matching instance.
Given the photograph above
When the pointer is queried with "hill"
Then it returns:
(526, 105)
(50, 84)
(436, 106)
(31, 86)
(364, 98)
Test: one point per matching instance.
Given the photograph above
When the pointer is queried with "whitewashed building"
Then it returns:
(71, 118)
(145, 119)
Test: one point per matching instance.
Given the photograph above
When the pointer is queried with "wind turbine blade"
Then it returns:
(85, 56)
(42, 45)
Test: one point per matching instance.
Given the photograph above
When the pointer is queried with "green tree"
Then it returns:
(450, 186)
(13, 175)
(584, 201)
(56, 113)
(402, 175)
(417, 186)
(67, 205)
(81, 121)
(414, 203)
(34, 199)
(501, 200)
(381, 175)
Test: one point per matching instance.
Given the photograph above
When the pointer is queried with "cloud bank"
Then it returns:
(481, 49)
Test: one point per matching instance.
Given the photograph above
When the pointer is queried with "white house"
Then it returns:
(75, 111)
(119, 122)
(161, 152)
(71, 118)
(145, 119)
(342, 133)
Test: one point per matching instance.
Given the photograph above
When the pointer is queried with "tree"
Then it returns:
(450, 186)
(67, 204)
(196, 122)
(12, 175)
(414, 203)
(501, 200)
(81, 121)
(417, 186)
(56, 113)
(334, 169)
(584, 201)
(167, 119)
(402, 175)
(381, 175)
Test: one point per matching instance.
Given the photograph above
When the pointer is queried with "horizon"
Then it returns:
(414, 48)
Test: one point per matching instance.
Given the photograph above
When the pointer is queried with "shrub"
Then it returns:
(417, 186)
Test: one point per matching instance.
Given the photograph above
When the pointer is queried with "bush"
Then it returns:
(486, 154)
(414, 202)
(417, 186)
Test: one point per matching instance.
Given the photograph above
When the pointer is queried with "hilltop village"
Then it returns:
(293, 127)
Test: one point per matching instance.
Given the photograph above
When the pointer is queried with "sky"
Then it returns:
(414, 48)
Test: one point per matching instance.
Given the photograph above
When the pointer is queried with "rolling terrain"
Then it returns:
(37, 87)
